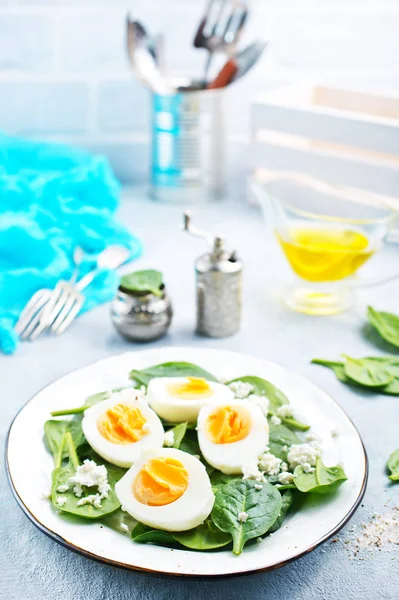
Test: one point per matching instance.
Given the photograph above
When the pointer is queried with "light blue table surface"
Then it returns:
(33, 567)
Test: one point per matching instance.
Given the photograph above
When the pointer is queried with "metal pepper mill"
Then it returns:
(219, 286)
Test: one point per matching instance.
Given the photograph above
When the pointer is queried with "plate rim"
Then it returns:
(162, 573)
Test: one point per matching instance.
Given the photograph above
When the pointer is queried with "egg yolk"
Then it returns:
(228, 424)
(160, 482)
(193, 388)
(122, 425)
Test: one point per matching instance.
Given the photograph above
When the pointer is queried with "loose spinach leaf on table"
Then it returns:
(393, 465)
(204, 537)
(279, 437)
(63, 472)
(387, 325)
(367, 372)
(170, 369)
(323, 480)
(241, 496)
(287, 500)
(149, 281)
(382, 364)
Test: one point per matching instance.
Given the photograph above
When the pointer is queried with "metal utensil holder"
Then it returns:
(188, 147)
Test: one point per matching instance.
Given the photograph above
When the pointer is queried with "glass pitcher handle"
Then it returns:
(392, 237)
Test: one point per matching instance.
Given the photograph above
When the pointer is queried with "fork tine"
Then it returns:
(63, 313)
(30, 310)
(235, 23)
(50, 312)
(71, 316)
(212, 15)
(33, 323)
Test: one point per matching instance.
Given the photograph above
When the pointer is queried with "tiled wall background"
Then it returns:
(64, 74)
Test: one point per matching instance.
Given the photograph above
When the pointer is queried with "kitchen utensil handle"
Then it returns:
(225, 76)
(207, 65)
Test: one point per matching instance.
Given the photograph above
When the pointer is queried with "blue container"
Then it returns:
(188, 147)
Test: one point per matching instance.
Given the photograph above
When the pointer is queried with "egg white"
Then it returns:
(122, 455)
(179, 410)
(229, 458)
(188, 511)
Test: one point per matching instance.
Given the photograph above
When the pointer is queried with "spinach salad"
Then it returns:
(244, 507)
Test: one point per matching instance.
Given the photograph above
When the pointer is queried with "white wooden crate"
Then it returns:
(345, 137)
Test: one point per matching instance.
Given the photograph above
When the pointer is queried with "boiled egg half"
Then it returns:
(231, 434)
(119, 429)
(166, 489)
(179, 399)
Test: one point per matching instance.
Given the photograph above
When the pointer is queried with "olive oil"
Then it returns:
(325, 254)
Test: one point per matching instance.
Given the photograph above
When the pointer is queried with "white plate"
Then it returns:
(319, 519)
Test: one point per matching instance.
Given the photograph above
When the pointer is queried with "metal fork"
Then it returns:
(31, 315)
(220, 28)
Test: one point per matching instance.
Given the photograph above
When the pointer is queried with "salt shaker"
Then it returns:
(219, 286)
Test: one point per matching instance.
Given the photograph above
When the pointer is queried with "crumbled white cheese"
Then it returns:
(124, 527)
(269, 463)
(64, 487)
(61, 500)
(275, 420)
(242, 517)
(285, 411)
(261, 401)
(284, 466)
(307, 468)
(303, 454)
(284, 448)
(93, 499)
(241, 389)
(90, 475)
(285, 478)
(258, 486)
(250, 470)
(169, 438)
(147, 427)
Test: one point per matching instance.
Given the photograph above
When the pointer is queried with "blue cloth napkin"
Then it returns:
(53, 198)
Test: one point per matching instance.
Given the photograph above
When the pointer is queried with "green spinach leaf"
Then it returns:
(279, 437)
(323, 480)
(219, 479)
(90, 401)
(61, 475)
(387, 325)
(276, 397)
(368, 373)
(245, 512)
(179, 431)
(287, 500)
(170, 369)
(337, 367)
(54, 431)
(262, 387)
(145, 535)
(204, 537)
(393, 465)
(120, 521)
(140, 282)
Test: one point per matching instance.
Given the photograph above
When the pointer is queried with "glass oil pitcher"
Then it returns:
(327, 233)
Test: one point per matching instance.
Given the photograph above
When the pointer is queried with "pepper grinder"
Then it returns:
(219, 286)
